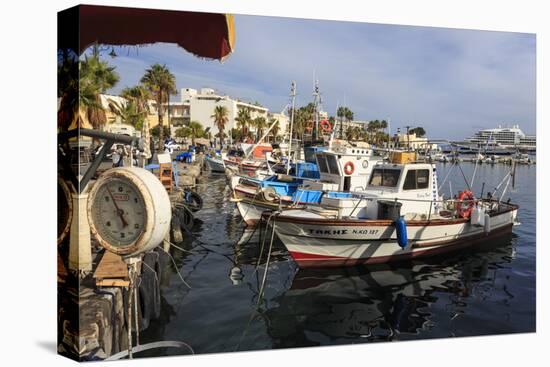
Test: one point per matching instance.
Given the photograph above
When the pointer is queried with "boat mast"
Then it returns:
(293, 99)
(316, 103)
(389, 135)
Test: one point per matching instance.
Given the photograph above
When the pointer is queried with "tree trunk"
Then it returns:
(161, 127)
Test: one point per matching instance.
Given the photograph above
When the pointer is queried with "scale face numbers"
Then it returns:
(118, 212)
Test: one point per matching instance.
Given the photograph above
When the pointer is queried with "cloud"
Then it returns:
(450, 81)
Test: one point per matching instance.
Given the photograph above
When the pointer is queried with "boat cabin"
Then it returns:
(257, 151)
(343, 168)
(412, 187)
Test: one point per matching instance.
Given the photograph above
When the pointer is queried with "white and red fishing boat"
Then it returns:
(398, 216)
(248, 160)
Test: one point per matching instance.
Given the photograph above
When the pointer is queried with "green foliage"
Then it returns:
(275, 129)
(138, 95)
(303, 119)
(220, 120)
(260, 124)
(344, 114)
(419, 131)
(155, 131)
(128, 113)
(236, 134)
(96, 77)
(193, 130)
(243, 120)
(67, 88)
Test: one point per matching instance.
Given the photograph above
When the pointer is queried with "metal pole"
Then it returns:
(408, 139)
(389, 133)
(293, 96)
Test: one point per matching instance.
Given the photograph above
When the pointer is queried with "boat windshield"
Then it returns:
(322, 161)
(309, 155)
(384, 177)
(332, 165)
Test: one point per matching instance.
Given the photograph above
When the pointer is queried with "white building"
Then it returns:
(413, 142)
(348, 125)
(284, 122)
(200, 105)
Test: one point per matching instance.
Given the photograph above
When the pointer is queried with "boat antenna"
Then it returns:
(292, 103)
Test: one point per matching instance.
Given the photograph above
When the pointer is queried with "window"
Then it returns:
(417, 179)
(323, 168)
(333, 165)
(384, 177)
(309, 155)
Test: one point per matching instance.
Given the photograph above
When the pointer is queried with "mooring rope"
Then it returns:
(176, 267)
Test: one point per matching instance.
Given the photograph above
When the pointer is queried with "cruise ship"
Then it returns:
(501, 140)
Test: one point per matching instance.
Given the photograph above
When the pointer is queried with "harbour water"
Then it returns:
(479, 292)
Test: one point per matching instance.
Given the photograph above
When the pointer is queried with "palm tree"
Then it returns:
(139, 95)
(96, 77)
(344, 113)
(128, 113)
(161, 83)
(193, 130)
(220, 119)
(260, 124)
(275, 129)
(243, 120)
(67, 89)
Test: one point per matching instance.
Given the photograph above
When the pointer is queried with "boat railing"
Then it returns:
(362, 196)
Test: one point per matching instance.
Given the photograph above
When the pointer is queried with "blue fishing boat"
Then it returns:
(337, 171)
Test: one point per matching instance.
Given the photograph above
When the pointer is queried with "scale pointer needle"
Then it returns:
(119, 211)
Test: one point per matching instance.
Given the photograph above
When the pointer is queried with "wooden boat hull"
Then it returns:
(314, 242)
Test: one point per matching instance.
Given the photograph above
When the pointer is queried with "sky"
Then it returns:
(452, 82)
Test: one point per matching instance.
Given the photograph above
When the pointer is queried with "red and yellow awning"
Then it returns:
(206, 35)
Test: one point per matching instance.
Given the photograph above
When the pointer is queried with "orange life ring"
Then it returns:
(349, 168)
(325, 125)
(464, 209)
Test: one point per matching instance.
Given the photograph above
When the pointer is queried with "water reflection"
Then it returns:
(382, 303)
(483, 292)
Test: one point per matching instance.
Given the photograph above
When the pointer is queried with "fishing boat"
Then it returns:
(340, 168)
(398, 216)
(216, 164)
(242, 163)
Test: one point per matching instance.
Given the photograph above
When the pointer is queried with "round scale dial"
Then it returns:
(64, 209)
(129, 211)
(119, 212)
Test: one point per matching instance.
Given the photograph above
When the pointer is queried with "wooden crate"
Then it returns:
(165, 175)
(402, 157)
(111, 271)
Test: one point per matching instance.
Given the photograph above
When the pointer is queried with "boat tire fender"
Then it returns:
(194, 201)
(401, 229)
